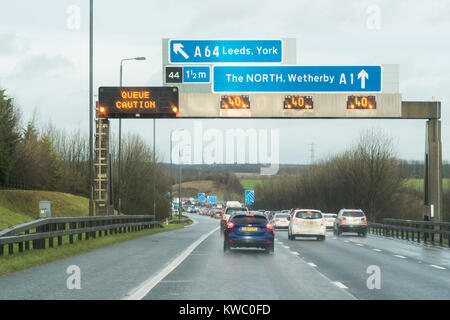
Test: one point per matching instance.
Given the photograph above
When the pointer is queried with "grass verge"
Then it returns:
(27, 259)
(250, 184)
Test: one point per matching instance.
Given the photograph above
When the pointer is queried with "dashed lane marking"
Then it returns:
(437, 267)
(399, 256)
(340, 285)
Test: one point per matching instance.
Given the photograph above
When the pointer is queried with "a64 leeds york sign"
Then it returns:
(137, 102)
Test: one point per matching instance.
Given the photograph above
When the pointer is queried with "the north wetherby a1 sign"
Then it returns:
(285, 78)
(225, 51)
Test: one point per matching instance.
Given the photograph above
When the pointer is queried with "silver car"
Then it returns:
(351, 220)
(330, 218)
(281, 220)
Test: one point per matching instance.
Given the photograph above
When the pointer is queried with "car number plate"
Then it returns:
(310, 222)
(330, 220)
(354, 221)
(249, 229)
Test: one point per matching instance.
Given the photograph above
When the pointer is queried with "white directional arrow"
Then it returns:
(363, 76)
(177, 48)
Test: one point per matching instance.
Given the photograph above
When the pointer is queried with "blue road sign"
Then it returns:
(211, 199)
(225, 51)
(175, 207)
(249, 197)
(201, 197)
(297, 79)
(196, 74)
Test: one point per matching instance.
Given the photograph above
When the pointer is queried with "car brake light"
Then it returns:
(249, 215)
(230, 225)
(224, 218)
(364, 219)
(275, 220)
(323, 222)
(342, 219)
(269, 226)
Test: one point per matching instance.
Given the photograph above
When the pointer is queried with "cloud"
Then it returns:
(10, 44)
(42, 66)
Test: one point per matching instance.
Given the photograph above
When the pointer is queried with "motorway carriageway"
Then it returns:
(189, 264)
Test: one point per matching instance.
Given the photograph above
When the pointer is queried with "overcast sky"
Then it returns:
(44, 59)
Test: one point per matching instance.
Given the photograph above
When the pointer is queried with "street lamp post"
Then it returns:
(120, 134)
(171, 133)
(180, 202)
(91, 110)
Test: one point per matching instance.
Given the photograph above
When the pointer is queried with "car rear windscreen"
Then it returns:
(249, 220)
(356, 214)
(308, 215)
(231, 210)
(281, 216)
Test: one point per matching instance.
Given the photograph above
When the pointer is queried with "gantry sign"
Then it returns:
(250, 78)
(260, 78)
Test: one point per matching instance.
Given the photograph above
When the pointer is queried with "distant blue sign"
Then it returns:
(297, 78)
(201, 197)
(175, 207)
(211, 199)
(225, 51)
(249, 197)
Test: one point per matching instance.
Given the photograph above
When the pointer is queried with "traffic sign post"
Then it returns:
(249, 196)
(297, 79)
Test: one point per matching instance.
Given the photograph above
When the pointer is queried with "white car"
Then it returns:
(281, 220)
(329, 220)
(307, 223)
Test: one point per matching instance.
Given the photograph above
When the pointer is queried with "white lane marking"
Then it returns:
(340, 285)
(437, 267)
(312, 264)
(359, 244)
(399, 256)
(194, 222)
(294, 252)
(377, 250)
(145, 287)
(286, 247)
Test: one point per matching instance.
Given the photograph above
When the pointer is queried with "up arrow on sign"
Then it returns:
(363, 76)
